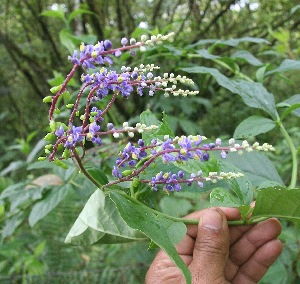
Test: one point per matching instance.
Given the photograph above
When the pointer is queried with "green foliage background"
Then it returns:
(35, 40)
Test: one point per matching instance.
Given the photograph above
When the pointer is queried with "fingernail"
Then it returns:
(212, 219)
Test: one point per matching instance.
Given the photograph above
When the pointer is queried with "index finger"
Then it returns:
(230, 213)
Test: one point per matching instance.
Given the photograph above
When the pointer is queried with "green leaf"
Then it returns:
(77, 12)
(256, 166)
(231, 42)
(253, 126)
(292, 104)
(173, 206)
(295, 8)
(149, 118)
(241, 186)
(54, 14)
(165, 128)
(43, 207)
(67, 40)
(248, 57)
(142, 218)
(100, 222)
(277, 202)
(260, 73)
(286, 65)
(98, 175)
(221, 197)
(252, 93)
(13, 166)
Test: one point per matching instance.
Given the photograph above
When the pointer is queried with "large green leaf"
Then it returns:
(100, 221)
(231, 42)
(252, 93)
(256, 166)
(149, 118)
(286, 65)
(43, 207)
(156, 228)
(247, 56)
(253, 126)
(278, 202)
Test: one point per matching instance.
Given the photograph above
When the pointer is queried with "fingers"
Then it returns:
(252, 247)
(257, 266)
(211, 247)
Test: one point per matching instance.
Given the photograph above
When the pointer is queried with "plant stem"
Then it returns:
(189, 221)
(293, 153)
(84, 171)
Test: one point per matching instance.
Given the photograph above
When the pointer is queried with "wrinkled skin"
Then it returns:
(216, 253)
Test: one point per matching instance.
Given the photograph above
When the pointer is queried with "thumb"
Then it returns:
(211, 247)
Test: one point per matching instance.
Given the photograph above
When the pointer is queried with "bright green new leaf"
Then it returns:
(142, 218)
(252, 126)
(100, 222)
(278, 202)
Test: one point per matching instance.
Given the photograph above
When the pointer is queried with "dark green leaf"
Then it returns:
(256, 166)
(67, 40)
(176, 207)
(100, 222)
(247, 56)
(278, 202)
(292, 104)
(231, 42)
(13, 166)
(43, 207)
(253, 126)
(286, 65)
(98, 175)
(142, 218)
(252, 93)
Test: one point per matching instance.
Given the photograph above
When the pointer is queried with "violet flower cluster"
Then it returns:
(88, 125)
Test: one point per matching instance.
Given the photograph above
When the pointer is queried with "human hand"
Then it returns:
(217, 254)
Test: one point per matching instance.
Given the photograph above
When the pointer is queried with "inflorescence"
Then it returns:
(89, 125)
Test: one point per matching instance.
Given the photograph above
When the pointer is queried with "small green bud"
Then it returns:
(47, 99)
(94, 113)
(57, 111)
(49, 146)
(66, 154)
(77, 113)
(82, 117)
(49, 137)
(47, 152)
(69, 105)
(60, 164)
(135, 182)
(52, 125)
(42, 158)
(55, 89)
(126, 173)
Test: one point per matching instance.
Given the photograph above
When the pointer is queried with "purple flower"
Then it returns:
(74, 59)
(116, 172)
(93, 128)
(74, 137)
(59, 131)
(107, 44)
